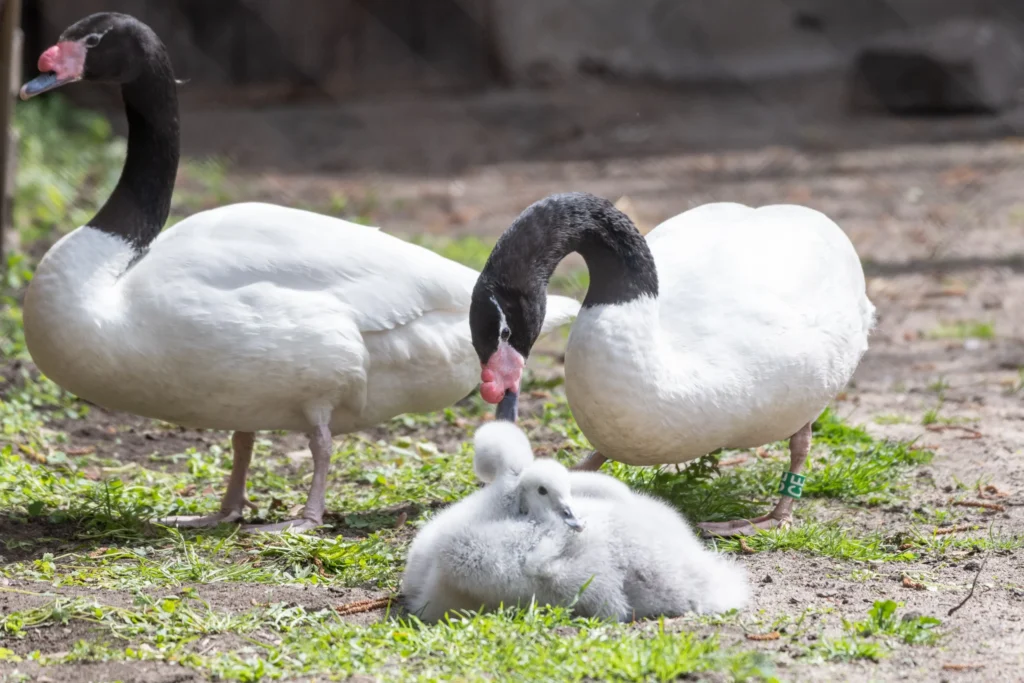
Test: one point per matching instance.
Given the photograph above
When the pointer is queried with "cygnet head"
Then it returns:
(545, 493)
(500, 446)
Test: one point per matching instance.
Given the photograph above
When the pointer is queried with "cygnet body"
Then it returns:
(606, 551)
(502, 451)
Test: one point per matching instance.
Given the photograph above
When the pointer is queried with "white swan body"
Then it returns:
(253, 317)
(761, 320)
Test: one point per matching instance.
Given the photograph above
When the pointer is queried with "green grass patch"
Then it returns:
(285, 641)
(833, 540)
(964, 329)
(846, 464)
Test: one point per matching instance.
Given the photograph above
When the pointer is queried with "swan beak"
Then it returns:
(508, 407)
(43, 83)
(571, 520)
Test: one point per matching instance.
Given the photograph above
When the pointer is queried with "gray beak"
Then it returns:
(508, 408)
(571, 520)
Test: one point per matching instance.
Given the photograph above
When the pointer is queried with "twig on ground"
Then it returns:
(954, 529)
(774, 635)
(971, 433)
(962, 667)
(978, 504)
(991, 491)
(747, 550)
(360, 606)
(970, 592)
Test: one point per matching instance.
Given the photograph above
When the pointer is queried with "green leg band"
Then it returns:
(792, 485)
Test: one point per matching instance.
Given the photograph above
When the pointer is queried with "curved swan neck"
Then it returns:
(620, 263)
(138, 208)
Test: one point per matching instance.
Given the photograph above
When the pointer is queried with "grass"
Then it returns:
(964, 329)
(73, 520)
(532, 644)
(91, 532)
(846, 464)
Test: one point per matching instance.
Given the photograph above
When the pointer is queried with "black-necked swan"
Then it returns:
(727, 327)
(246, 317)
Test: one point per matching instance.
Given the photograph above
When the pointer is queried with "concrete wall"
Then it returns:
(341, 46)
(708, 40)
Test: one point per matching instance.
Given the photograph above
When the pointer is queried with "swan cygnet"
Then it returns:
(470, 562)
(621, 558)
(501, 452)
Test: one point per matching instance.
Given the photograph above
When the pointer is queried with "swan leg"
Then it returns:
(320, 445)
(782, 515)
(234, 502)
(591, 463)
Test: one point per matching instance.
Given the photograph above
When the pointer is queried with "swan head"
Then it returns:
(505, 325)
(106, 47)
(545, 493)
(500, 447)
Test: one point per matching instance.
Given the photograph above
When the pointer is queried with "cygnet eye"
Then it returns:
(542, 491)
(505, 334)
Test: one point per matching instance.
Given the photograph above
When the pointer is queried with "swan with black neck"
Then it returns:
(246, 317)
(727, 327)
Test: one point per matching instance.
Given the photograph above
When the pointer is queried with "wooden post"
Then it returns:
(10, 77)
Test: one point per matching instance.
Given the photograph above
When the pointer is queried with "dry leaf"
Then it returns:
(910, 583)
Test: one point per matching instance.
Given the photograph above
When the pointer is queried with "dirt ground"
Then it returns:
(940, 227)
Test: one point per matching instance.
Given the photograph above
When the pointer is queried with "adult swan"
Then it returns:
(728, 327)
(246, 317)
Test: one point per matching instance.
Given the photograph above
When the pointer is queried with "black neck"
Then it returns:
(141, 202)
(620, 263)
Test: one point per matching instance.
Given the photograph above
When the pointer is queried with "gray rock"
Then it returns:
(958, 66)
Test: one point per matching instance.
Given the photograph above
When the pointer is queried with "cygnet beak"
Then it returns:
(571, 520)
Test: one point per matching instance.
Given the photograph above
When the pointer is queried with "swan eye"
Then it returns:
(92, 40)
(542, 491)
(505, 333)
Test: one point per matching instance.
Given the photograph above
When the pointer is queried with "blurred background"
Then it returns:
(440, 120)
